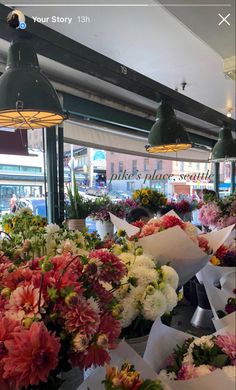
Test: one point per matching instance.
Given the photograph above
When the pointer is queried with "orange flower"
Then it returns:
(24, 303)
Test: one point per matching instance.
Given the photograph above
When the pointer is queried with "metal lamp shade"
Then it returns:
(167, 134)
(225, 148)
(27, 98)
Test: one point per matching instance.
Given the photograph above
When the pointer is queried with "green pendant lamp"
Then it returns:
(167, 134)
(27, 98)
(225, 147)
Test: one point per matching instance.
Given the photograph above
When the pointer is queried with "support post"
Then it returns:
(51, 154)
(232, 177)
(216, 177)
(61, 173)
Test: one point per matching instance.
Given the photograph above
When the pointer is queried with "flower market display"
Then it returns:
(151, 199)
(218, 213)
(29, 236)
(56, 314)
(202, 356)
(127, 378)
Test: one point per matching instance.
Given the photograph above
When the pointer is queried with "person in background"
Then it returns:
(138, 214)
(13, 203)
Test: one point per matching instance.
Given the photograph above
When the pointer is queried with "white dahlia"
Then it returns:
(144, 261)
(144, 275)
(154, 306)
(170, 276)
(171, 297)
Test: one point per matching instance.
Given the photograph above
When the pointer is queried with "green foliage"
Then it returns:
(78, 207)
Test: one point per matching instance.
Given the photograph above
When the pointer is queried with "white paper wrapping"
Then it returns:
(213, 273)
(163, 339)
(228, 281)
(173, 245)
(120, 355)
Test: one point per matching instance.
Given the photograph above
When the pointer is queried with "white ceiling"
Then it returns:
(152, 41)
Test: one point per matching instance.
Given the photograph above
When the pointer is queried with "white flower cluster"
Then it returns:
(146, 290)
(204, 341)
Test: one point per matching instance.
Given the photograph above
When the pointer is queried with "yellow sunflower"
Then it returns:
(145, 201)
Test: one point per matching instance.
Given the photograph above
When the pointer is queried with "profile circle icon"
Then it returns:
(22, 26)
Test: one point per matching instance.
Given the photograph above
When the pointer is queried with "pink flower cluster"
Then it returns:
(209, 214)
(54, 310)
(166, 222)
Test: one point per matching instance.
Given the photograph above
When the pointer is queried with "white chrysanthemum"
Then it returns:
(144, 275)
(94, 305)
(67, 246)
(203, 341)
(171, 297)
(123, 289)
(170, 276)
(52, 228)
(127, 257)
(144, 261)
(230, 371)
(137, 294)
(154, 306)
(163, 374)
(129, 313)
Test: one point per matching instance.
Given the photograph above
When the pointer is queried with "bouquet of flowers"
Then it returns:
(185, 362)
(201, 356)
(55, 313)
(151, 199)
(219, 213)
(147, 291)
(127, 378)
(190, 252)
(225, 256)
(230, 306)
(169, 221)
(127, 370)
(104, 206)
(182, 207)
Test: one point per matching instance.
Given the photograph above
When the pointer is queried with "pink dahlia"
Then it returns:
(32, 354)
(227, 343)
(110, 327)
(187, 371)
(203, 244)
(94, 355)
(148, 230)
(109, 267)
(24, 303)
(169, 221)
(19, 277)
(209, 214)
(82, 318)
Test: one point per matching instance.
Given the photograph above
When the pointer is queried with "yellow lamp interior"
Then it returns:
(167, 148)
(28, 119)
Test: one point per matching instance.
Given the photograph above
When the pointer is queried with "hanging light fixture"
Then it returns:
(167, 134)
(225, 147)
(27, 98)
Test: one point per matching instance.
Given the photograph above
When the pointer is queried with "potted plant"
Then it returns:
(102, 207)
(77, 209)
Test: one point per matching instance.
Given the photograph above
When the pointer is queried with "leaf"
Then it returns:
(220, 360)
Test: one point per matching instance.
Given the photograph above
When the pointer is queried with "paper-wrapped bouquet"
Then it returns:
(170, 240)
